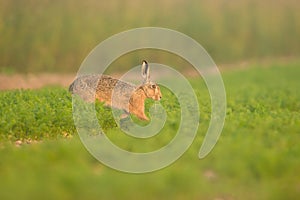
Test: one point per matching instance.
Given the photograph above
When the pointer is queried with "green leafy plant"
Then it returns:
(256, 157)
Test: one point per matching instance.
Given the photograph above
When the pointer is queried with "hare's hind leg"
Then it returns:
(125, 121)
(124, 115)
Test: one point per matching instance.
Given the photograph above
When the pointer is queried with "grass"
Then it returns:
(35, 115)
(257, 156)
(57, 35)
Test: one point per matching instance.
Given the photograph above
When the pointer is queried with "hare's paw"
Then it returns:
(125, 123)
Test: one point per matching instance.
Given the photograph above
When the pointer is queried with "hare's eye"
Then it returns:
(153, 86)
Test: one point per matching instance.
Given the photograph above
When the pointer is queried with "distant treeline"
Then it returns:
(56, 35)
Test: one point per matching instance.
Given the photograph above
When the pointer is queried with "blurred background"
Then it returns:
(55, 35)
(44, 42)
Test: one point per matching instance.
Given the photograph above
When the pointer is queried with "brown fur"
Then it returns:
(116, 93)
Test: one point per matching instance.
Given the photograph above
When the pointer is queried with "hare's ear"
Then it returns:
(145, 71)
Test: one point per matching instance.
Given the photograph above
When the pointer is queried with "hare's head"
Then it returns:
(151, 89)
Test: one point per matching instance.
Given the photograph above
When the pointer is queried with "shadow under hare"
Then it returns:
(116, 93)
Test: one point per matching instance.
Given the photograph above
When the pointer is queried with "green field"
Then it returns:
(258, 153)
(256, 157)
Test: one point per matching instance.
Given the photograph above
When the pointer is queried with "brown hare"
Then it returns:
(116, 93)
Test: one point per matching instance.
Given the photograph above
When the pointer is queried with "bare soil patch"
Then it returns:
(34, 81)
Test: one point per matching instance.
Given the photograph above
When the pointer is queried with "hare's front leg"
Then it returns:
(138, 112)
(142, 116)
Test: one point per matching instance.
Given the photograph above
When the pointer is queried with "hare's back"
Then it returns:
(84, 83)
(101, 86)
(109, 87)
